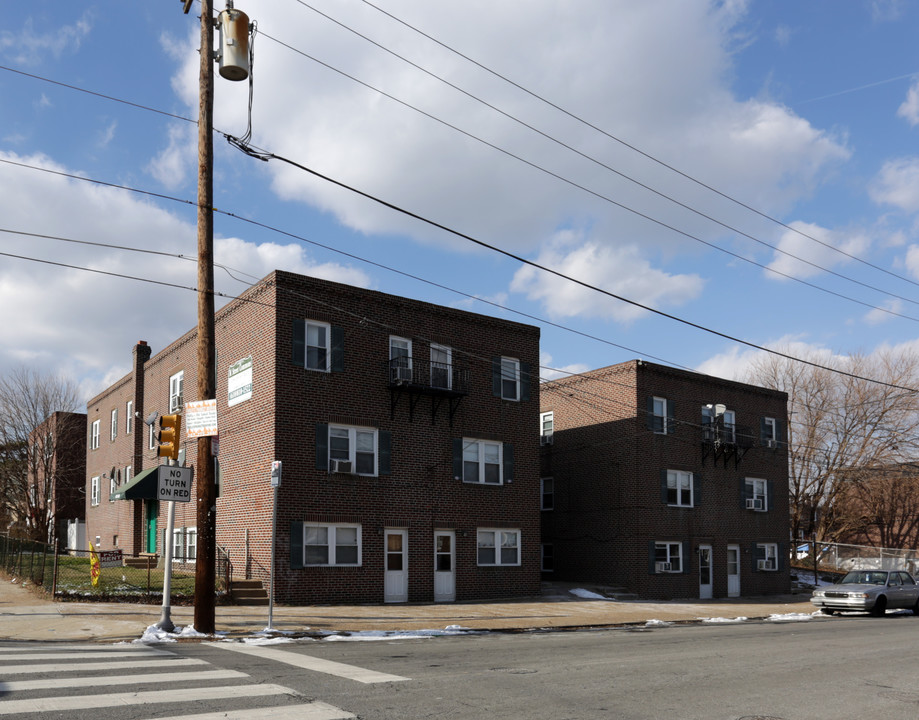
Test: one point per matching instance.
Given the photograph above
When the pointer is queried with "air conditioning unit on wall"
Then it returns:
(765, 565)
(662, 567)
(341, 466)
(754, 503)
(545, 439)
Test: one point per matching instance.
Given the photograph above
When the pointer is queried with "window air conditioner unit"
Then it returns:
(764, 565)
(662, 567)
(754, 503)
(545, 439)
(341, 466)
(772, 443)
(176, 403)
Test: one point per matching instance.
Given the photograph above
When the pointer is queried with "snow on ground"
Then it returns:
(790, 617)
(587, 594)
(723, 620)
(657, 623)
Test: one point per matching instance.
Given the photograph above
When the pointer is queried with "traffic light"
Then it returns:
(168, 437)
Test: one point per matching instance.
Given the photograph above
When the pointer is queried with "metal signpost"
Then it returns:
(275, 484)
(173, 485)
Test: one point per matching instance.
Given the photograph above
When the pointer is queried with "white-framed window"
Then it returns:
(498, 546)
(659, 415)
(94, 435)
(331, 544)
(755, 494)
(441, 366)
(400, 359)
(510, 378)
(482, 462)
(548, 557)
(722, 422)
(95, 490)
(114, 423)
(191, 544)
(769, 433)
(767, 556)
(112, 489)
(668, 557)
(176, 386)
(546, 424)
(129, 417)
(679, 488)
(151, 439)
(548, 493)
(128, 473)
(178, 544)
(353, 450)
(318, 338)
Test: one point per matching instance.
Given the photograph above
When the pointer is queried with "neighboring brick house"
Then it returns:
(57, 468)
(666, 482)
(405, 429)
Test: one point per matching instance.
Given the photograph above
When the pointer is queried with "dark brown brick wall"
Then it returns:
(606, 465)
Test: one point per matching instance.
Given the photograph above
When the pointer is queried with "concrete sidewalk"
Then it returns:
(29, 615)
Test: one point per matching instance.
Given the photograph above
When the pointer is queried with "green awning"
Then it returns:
(142, 487)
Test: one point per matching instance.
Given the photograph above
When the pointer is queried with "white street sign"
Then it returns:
(174, 483)
(200, 418)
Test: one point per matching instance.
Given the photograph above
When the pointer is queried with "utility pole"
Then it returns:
(205, 565)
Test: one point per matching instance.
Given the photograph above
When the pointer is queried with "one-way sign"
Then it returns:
(174, 483)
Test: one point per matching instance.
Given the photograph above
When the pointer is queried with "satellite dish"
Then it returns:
(151, 418)
(719, 409)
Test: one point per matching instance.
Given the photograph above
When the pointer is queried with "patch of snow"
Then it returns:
(153, 634)
(723, 620)
(789, 617)
(657, 623)
(267, 640)
(371, 635)
(587, 594)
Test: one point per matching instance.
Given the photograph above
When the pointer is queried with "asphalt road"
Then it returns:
(839, 668)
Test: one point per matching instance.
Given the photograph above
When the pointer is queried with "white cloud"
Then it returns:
(619, 270)
(737, 362)
(25, 46)
(806, 248)
(897, 184)
(175, 164)
(548, 371)
(879, 316)
(909, 110)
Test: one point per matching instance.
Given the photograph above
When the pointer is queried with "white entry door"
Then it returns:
(444, 566)
(395, 582)
(733, 570)
(705, 571)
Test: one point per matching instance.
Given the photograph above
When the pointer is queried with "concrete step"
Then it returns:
(248, 592)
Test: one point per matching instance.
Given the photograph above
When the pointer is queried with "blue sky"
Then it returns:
(793, 127)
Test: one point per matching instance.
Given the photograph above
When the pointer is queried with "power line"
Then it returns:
(636, 149)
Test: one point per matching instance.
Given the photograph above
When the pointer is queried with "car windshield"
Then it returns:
(865, 577)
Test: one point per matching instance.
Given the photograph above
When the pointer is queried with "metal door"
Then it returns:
(444, 566)
(395, 582)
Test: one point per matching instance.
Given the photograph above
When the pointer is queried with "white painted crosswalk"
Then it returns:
(60, 672)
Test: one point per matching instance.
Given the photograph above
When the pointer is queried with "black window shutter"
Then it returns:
(496, 376)
(671, 418)
(763, 431)
(664, 487)
(757, 553)
(770, 498)
(525, 381)
(781, 556)
(322, 446)
(296, 545)
(652, 570)
(298, 343)
(649, 419)
(696, 490)
(338, 349)
(687, 549)
(781, 432)
(508, 462)
(385, 439)
(744, 493)
(458, 458)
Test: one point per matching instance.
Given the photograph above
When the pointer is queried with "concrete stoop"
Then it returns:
(248, 592)
(144, 560)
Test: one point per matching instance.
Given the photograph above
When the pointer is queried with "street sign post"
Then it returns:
(174, 483)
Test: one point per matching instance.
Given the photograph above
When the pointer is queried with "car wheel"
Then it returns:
(880, 606)
(830, 611)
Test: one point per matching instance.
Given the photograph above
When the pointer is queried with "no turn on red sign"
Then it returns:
(174, 483)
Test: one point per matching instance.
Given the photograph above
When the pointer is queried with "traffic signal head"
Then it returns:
(169, 434)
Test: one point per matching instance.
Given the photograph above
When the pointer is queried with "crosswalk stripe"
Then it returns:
(90, 647)
(89, 702)
(80, 654)
(309, 711)
(307, 662)
(85, 666)
(58, 683)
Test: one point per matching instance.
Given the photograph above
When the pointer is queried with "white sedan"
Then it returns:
(874, 591)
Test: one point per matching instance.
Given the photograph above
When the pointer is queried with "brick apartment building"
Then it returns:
(405, 430)
(666, 482)
(57, 467)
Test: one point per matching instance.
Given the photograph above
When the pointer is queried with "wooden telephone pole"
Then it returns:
(205, 565)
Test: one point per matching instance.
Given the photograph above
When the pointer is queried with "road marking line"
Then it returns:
(84, 666)
(79, 654)
(307, 662)
(86, 646)
(310, 711)
(89, 702)
(59, 683)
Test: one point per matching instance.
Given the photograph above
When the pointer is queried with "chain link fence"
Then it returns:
(125, 578)
(840, 557)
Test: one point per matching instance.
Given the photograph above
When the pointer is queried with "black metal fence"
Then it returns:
(69, 574)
